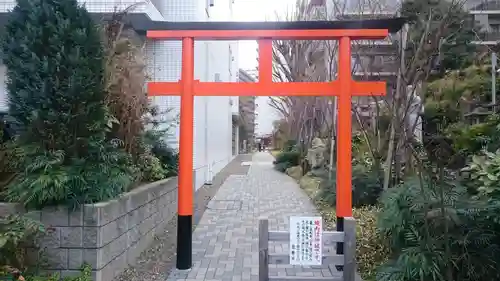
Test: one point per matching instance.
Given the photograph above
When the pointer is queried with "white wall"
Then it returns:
(212, 120)
(234, 71)
(220, 108)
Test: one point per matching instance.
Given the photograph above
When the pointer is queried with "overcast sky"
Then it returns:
(258, 10)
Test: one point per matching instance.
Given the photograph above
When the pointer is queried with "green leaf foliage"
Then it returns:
(292, 157)
(455, 125)
(286, 159)
(54, 56)
(16, 231)
(367, 186)
(168, 158)
(482, 174)
(438, 232)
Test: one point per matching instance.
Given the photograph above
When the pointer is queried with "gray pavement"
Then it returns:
(225, 242)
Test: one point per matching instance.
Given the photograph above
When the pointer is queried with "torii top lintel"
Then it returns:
(310, 30)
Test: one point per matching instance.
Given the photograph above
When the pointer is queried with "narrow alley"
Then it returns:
(225, 242)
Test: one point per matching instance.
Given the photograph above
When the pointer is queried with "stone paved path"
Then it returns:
(225, 242)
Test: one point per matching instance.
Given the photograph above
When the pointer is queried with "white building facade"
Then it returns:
(214, 61)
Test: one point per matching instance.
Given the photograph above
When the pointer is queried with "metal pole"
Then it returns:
(185, 196)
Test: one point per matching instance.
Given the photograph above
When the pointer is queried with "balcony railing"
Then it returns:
(366, 15)
(377, 64)
(484, 7)
(374, 48)
(487, 38)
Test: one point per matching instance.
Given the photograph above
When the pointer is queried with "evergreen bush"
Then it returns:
(55, 81)
(285, 160)
(367, 187)
(438, 231)
(292, 157)
(162, 124)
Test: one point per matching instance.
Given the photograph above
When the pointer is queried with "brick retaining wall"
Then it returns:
(109, 235)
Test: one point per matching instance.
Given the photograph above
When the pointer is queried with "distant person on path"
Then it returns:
(260, 147)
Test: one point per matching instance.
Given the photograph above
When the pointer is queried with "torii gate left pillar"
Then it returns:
(344, 87)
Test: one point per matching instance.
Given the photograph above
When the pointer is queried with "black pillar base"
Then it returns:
(184, 242)
(340, 245)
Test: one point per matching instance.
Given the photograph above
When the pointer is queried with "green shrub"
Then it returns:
(150, 168)
(55, 74)
(157, 161)
(290, 145)
(281, 167)
(437, 232)
(482, 174)
(366, 187)
(285, 160)
(9, 158)
(291, 157)
(168, 157)
(15, 232)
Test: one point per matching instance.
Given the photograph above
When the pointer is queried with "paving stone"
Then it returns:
(225, 242)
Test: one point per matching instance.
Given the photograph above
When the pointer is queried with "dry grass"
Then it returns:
(125, 82)
(275, 153)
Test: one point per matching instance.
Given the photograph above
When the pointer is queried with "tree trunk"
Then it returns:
(395, 124)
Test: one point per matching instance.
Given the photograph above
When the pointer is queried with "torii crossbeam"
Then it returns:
(265, 32)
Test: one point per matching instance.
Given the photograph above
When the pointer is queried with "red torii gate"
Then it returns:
(344, 88)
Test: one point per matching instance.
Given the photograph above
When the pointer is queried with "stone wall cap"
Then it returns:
(134, 191)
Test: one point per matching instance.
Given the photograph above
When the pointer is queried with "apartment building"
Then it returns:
(215, 61)
(487, 16)
(247, 108)
(372, 60)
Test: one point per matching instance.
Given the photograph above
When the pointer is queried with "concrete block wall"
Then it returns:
(109, 236)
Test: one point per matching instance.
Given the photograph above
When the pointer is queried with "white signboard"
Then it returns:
(306, 243)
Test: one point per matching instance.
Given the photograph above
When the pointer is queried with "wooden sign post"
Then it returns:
(265, 32)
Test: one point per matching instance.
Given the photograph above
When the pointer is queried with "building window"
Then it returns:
(495, 28)
(317, 2)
